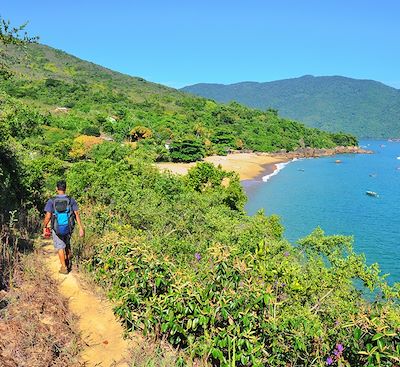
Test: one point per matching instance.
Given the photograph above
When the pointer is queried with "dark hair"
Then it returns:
(61, 185)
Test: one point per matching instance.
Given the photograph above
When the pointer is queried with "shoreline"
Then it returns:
(249, 166)
(258, 166)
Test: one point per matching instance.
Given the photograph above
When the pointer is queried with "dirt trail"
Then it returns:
(103, 335)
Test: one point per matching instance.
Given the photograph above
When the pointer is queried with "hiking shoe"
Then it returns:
(63, 270)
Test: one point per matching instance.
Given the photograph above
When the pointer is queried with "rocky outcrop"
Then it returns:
(315, 152)
(310, 152)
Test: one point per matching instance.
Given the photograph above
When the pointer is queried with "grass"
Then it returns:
(37, 329)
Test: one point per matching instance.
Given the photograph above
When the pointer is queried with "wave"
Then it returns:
(279, 167)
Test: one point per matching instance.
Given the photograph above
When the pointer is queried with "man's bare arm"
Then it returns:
(78, 219)
(46, 221)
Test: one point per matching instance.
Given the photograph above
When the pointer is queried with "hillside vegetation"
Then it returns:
(83, 98)
(365, 108)
(178, 255)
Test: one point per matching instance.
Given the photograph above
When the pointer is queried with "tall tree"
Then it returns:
(12, 35)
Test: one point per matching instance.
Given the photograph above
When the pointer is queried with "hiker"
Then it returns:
(62, 211)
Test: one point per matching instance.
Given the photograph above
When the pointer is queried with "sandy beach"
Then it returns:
(254, 166)
(248, 165)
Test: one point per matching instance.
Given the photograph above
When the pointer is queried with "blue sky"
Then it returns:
(181, 42)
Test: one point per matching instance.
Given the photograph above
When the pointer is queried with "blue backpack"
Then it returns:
(63, 219)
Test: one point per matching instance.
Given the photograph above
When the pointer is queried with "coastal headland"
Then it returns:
(255, 165)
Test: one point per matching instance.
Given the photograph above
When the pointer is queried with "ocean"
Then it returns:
(307, 193)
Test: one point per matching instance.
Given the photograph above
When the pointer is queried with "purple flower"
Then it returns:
(340, 348)
(197, 256)
(336, 352)
(329, 361)
(286, 254)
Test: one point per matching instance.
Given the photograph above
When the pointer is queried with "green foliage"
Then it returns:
(139, 133)
(187, 150)
(12, 189)
(91, 130)
(205, 176)
(17, 119)
(224, 140)
(16, 122)
(343, 139)
(110, 150)
(96, 100)
(235, 307)
(182, 263)
(11, 35)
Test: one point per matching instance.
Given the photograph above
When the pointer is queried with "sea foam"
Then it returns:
(279, 167)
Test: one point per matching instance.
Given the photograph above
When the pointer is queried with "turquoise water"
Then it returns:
(318, 192)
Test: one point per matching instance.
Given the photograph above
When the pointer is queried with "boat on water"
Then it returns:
(372, 193)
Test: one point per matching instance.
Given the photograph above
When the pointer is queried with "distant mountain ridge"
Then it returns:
(366, 108)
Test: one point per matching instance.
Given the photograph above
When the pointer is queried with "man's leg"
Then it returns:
(68, 261)
(68, 254)
(59, 245)
(62, 257)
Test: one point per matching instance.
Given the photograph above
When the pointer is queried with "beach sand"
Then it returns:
(254, 166)
(249, 166)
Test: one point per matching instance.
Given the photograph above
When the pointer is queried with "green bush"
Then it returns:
(181, 262)
(187, 150)
(232, 307)
(90, 130)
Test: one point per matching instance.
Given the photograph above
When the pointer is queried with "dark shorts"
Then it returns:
(61, 242)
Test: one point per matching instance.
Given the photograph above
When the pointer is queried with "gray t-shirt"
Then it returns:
(50, 207)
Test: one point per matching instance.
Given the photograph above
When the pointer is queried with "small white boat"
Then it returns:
(372, 193)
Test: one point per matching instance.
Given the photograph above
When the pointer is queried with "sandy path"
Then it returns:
(101, 332)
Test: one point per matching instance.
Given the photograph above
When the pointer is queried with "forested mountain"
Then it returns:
(365, 108)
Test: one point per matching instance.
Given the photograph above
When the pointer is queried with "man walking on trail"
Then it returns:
(62, 211)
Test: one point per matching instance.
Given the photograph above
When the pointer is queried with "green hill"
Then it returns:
(82, 97)
(365, 108)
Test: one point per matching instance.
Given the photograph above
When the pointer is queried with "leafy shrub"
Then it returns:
(139, 133)
(61, 149)
(19, 120)
(91, 131)
(111, 150)
(186, 150)
(238, 308)
(82, 145)
(181, 263)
